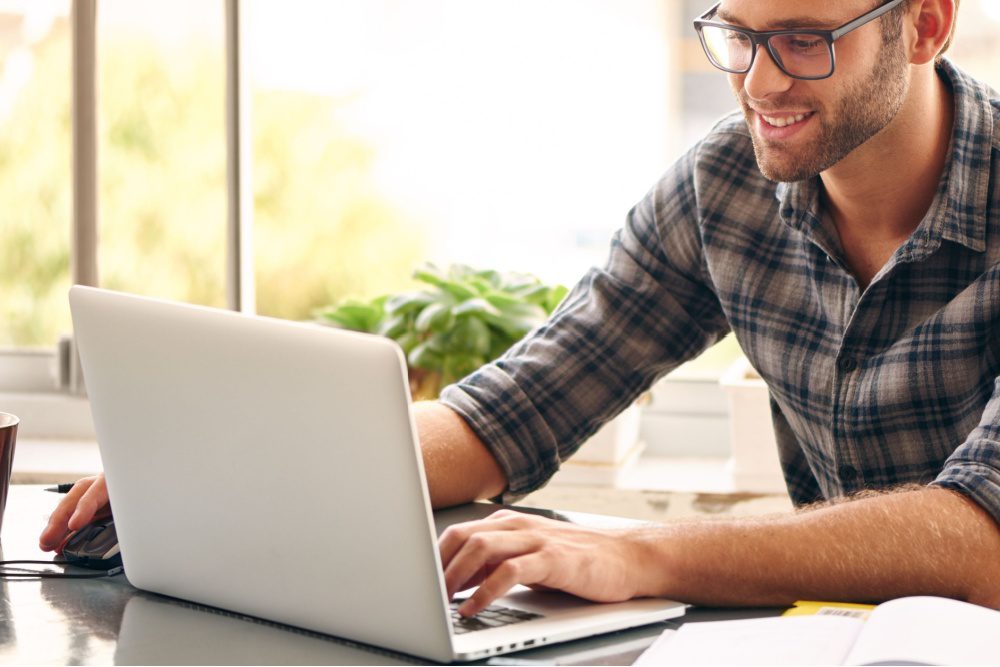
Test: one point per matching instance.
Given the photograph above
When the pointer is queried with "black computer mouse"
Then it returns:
(95, 546)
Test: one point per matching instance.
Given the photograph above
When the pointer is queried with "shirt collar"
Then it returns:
(958, 212)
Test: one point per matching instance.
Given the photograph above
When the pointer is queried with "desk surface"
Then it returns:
(108, 621)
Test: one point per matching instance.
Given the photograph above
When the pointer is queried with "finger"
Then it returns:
(484, 549)
(528, 569)
(454, 537)
(57, 528)
(92, 502)
(477, 578)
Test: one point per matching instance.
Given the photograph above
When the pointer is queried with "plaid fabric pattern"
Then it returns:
(869, 389)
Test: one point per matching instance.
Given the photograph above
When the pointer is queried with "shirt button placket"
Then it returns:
(847, 473)
(847, 364)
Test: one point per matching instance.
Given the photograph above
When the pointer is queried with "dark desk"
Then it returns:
(108, 621)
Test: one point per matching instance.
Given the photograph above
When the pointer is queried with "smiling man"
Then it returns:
(845, 227)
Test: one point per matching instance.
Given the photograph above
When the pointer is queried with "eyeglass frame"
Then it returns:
(763, 38)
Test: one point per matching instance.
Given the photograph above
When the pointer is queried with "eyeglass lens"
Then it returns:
(799, 54)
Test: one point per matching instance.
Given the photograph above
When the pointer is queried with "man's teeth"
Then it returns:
(784, 121)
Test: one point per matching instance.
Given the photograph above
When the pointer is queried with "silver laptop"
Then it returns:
(271, 468)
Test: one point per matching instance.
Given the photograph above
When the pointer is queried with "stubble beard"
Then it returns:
(865, 109)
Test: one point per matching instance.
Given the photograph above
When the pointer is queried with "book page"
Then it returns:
(801, 640)
(929, 631)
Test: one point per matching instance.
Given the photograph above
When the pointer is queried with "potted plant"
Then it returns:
(457, 321)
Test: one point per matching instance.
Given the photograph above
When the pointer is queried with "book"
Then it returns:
(911, 630)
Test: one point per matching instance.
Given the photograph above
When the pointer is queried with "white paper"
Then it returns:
(793, 640)
(931, 631)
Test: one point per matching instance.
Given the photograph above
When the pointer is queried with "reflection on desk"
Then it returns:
(57, 621)
(108, 621)
(160, 630)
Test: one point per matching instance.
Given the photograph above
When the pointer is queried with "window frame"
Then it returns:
(49, 380)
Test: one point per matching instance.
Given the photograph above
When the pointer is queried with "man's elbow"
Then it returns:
(982, 575)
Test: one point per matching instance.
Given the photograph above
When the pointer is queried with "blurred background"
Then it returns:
(385, 133)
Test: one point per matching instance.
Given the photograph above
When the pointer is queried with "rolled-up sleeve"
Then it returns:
(621, 327)
(973, 469)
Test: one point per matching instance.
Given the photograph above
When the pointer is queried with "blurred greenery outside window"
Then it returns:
(337, 211)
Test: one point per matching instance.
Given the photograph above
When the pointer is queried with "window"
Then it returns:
(35, 192)
(479, 132)
(162, 149)
(510, 135)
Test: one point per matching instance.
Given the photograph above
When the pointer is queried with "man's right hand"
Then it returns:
(86, 500)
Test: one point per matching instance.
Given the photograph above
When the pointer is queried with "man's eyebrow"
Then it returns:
(788, 23)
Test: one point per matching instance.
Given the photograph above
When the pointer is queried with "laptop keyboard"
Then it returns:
(493, 616)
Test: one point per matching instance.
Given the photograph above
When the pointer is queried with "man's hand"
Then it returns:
(509, 548)
(922, 541)
(86, 500)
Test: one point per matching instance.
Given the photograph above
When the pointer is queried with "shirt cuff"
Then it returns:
(974, 471)
(506, 420)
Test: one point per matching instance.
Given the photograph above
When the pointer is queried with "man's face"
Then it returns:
(801, 128)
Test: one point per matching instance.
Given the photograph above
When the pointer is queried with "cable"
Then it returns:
(27, 573)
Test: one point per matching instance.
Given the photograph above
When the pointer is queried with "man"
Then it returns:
(845, 228)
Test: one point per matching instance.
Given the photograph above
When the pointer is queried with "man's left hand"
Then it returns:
(510, 548)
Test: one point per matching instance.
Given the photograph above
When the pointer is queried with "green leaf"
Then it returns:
(394, 327)
(453, 287)
(470, 336)
(408, 341)
(533, 293)
(476, 307)
(517, 320)
(500, 344)
(435, 317)
(516, 283)
(355, 315)
(438, 342)
(401, 304)
(479, 285)
(429, 276)
(555, 297)
(422, 356)
(501, 299)
(494, 278)
(461, 365)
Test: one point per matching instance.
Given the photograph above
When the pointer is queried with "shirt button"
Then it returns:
(847, 473)
(847, 364)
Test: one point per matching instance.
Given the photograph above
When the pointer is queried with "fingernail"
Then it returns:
(467, 608)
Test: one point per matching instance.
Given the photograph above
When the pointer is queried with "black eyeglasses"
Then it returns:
(801, 54)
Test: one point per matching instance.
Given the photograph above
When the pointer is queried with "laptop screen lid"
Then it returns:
(265, 467)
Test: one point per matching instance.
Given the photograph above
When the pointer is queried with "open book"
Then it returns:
(914, 630)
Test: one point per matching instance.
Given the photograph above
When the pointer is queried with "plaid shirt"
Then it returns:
(893, 384)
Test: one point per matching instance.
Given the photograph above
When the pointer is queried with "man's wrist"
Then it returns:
(652, 561)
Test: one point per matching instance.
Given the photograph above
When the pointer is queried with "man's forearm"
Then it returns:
(923, 542)
(458, 466)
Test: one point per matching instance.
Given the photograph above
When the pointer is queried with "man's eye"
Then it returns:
(806, 44)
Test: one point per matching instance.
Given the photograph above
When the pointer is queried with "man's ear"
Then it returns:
(930, 23)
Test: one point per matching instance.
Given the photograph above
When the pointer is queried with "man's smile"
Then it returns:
(781, 124)
(784, 120)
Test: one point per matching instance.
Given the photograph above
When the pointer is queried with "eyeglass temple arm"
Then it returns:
(710, 13)
(861, 20)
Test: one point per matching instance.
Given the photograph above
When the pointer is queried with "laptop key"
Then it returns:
(494, 616)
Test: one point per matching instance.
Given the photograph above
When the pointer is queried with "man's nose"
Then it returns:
(765, 78)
